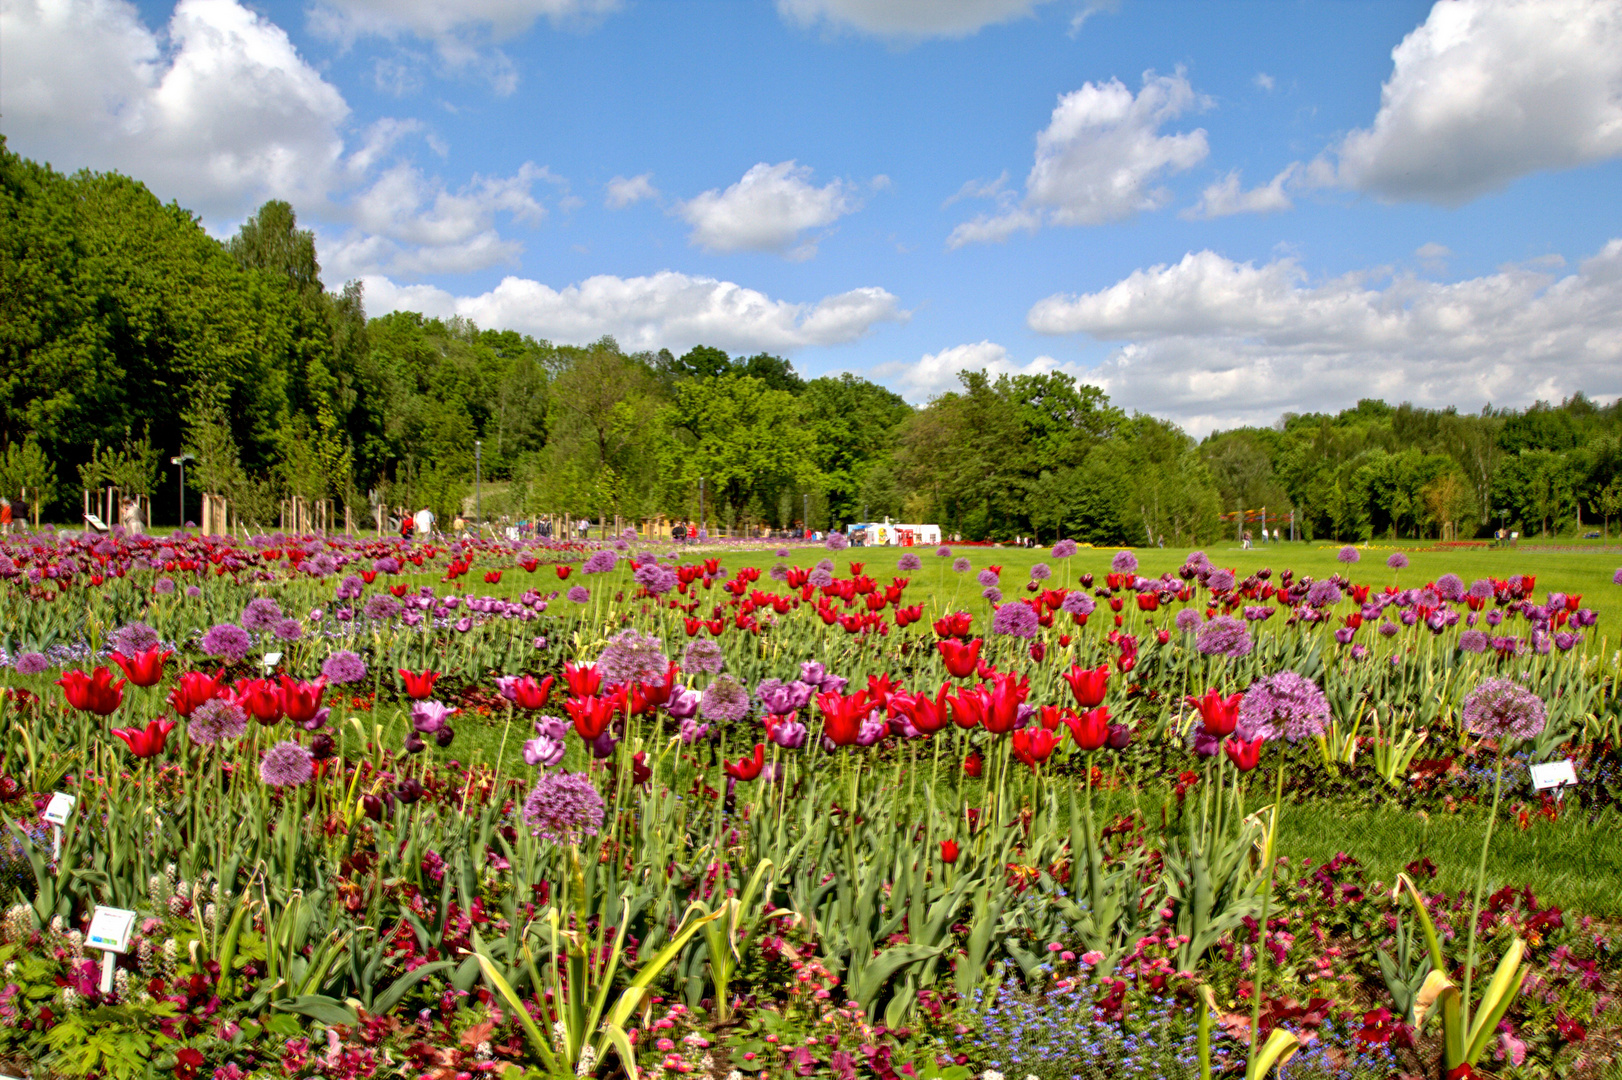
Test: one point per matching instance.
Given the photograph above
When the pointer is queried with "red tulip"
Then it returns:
(302, 700)
(1090, 730)
(492, 577)
(192, 689)
(95, 692)
(961, 659)
(954, 625)
(418, 685)
(1052, 716)
(973, 765)
(1246, 755)
(1007, 694)
(842, 717)
(262, 699)
(564, 571)
(1221, 713)
(144, 668)
(584, 681)
(148, 742)
(969, 709)
(949, 851)
(1034, 745)
(592, 715)
(526, 693)
(746, 768)
(928, 714)
(1088, 684)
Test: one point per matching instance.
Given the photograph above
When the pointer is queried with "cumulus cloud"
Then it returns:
(623, 192)
(1484, 92)
(664, 310)
(1227, 197)
(1100, 159)
(227, 115)
(767, 210)
(1213, 342)
(907, 19)
(935, 373)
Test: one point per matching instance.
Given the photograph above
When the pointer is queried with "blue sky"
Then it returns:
(1218, 212)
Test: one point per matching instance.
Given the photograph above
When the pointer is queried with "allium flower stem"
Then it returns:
(1267, 899)
(1481, 877)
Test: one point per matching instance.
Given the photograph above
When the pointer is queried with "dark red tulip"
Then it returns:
(144, 668)
(1088, 684)
(419, 685)
(1090, 730)
(961, 660)
(746, 768)
(149, 741)
(94, 692)
(192, 689)
(302, 700)
(1246, 755)
(949, 851)
(1221, 714)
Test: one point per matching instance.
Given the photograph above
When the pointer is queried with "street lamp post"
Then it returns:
(181, 460)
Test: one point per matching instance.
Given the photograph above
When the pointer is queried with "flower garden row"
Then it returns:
(639, 813)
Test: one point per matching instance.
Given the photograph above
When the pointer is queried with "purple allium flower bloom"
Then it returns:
(163, 586)
(1397, 560)
(945, 552)
(543, 751)
(962, 565)
(838, 541)
(1077, 603)
(656, 579)
(1616, 578)
(826, 564)
(1064, 549)
(563, 808)
(1347, 554)
(1188, 620)
(703, 655)
(31, 663)
(289, 630)
(1284, 704)
(428, 717)
(993, 594)
(1499, 708)
(908, 563)
(579, 594)
(287, 764)
(1223, 636)
(1323, 594)
(1481, 589)
(778, 572)
(261, 614)
(987, 578)
(1450, 587)
(350, 588)
(1473, 641)
(344, 667)
(388, 564)
(601, 562)
(134, 637)
(381, 607)
(725, 699)
(1041, 572)
(1196, 561)
(632, 657)
(782, 553)
(1219, 580)
(1015, 620)
(820, 578)
(193, 592)
(1124, 563)
(216, 719)
(228, 641)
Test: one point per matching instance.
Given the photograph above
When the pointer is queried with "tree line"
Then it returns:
(129, 336)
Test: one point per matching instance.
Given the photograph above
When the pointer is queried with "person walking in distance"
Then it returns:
(425, 524)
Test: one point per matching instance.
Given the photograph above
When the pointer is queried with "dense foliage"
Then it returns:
(129, 335)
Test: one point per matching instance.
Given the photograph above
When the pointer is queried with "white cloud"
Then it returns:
(1432, 251)
(1100, 158)
(1088, 10)
(1263, 81)
(936, 373)
(907, 19)
(227, 115)
(1226, 197)
(767, 210)
(623, 192)
(664, 310)
(1213, 342)
(1484, 92)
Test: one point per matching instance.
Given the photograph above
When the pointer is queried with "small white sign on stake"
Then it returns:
(271, 660)
(57, 813)
(110, 931)
(1554, 774)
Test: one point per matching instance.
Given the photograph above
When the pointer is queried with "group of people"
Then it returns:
(1246, 540)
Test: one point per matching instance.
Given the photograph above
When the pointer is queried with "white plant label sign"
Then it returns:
(1553, 774)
